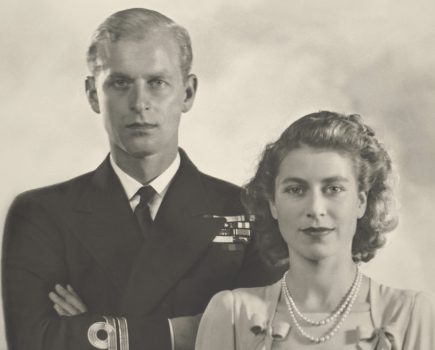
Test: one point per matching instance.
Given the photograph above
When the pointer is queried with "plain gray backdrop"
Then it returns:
(261, 64)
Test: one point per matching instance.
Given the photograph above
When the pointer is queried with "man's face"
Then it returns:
(141, 93)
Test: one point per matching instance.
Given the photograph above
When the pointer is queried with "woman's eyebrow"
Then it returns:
(335, 179)
(293, 179)
(327, 180)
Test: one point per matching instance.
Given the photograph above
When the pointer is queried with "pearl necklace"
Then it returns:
(330, 318)
(343, 309)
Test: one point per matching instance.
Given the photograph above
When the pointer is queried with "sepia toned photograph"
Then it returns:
(218, 175)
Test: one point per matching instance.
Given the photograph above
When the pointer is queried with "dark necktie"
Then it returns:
(142, 210)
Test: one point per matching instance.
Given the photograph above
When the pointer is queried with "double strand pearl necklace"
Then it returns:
(343, 309)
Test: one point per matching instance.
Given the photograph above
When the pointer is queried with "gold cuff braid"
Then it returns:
(116, 330)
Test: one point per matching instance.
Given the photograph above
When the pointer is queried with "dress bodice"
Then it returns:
(250, 319)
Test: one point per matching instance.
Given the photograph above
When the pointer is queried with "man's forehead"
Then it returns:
(137, 47)
(159, 34)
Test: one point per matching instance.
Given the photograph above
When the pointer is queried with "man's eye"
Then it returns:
(334, 189)
(120, 83)
(158, 84)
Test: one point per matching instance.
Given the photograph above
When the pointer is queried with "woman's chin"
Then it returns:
(318, 253)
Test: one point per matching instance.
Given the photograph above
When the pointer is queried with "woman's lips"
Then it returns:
(317, 231)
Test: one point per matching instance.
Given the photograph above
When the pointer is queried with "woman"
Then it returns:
(324, 190)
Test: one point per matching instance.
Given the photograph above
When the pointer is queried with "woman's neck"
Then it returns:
(319, 286)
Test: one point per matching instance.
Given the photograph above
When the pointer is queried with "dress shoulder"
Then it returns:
(406, 316)
(221, 302)
(388, 302)
(235, 316)
(420, 332)
(216, 329)
(239, 301)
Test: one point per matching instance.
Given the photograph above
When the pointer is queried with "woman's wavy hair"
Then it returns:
(345, 134)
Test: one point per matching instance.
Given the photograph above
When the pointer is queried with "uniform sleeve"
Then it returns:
(216, 329)
(420, 334)
(33, 262)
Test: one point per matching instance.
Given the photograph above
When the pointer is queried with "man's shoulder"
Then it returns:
(209, 182)
(223, 196)
(68, 188)
(219, 185)
(223, 192)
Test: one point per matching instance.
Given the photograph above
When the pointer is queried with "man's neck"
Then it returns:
(144, 169)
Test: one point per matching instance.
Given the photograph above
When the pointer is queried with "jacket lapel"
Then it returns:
(106, 226)
(182, 234)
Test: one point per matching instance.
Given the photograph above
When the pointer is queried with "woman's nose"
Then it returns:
(316, 206)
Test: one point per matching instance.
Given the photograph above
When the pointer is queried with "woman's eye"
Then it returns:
(294, 190)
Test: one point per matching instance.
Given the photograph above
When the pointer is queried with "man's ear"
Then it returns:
(91, 93)
(191, 86)
(362, 196)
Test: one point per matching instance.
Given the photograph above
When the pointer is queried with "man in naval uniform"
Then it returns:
(131, 253)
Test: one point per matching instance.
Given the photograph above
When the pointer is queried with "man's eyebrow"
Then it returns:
(118, 75)
(155, 75)
(159, 74)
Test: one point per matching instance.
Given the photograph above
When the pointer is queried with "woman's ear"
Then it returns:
(362, 206)
(273, 210)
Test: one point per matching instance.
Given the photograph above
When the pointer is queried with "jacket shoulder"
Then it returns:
(53, 192)
(220, 185)
(223, 194)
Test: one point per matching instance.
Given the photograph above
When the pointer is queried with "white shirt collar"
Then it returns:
(160, 184)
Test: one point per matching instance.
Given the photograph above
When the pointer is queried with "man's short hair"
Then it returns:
(136, 23)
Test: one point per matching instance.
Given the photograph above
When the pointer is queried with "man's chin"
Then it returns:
(132, 152)
(141, 154)
(141, 149)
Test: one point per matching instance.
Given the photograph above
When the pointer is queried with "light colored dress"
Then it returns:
(246, 319)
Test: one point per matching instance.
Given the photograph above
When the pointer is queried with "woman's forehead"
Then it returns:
(308, 163)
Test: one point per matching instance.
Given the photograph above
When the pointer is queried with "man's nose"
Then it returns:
(140, 99)
(316, 206)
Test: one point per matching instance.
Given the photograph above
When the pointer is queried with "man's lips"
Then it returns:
(317, 231)
(141, 126)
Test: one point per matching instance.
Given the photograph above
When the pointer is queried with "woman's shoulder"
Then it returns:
(247, 303)
(404, 307)
(247, 296)
(400, 298)
(265, 294)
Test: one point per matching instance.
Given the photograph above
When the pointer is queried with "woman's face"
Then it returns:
(317, 203)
